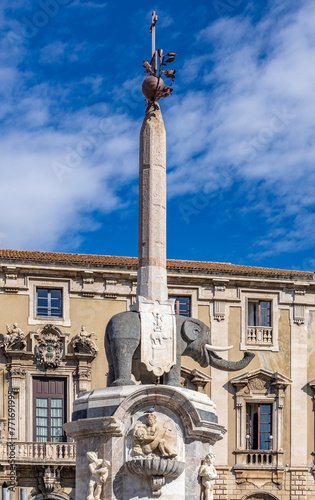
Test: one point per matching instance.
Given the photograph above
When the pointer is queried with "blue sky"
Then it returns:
(240, 127)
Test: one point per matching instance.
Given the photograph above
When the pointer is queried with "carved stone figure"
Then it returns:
(14, 340)
(51, 479)
(158, 343)
(207, 473)
(98, 475)
(157, 438)
(83, 342)
(155, 451)
(122, 344)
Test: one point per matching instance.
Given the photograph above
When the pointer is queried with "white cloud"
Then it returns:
(38, 205)
(41, 207)
(256, 122)
(53, 52)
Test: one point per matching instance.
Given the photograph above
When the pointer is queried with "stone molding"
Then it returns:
(189, 405)
(218, 310)
(175, 400)
(299, 314)
(194, 379)
(94, 427)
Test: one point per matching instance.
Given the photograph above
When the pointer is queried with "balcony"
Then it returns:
(258, 466)
(63, 453)
(259, 335)
(257, 458)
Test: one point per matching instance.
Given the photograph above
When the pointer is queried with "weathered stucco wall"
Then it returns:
(95, 314)
(13, 308)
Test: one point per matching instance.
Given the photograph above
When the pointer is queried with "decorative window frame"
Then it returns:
(191, 293)
(248, 295)
(61, 373)
(263, 387)
(62, 284)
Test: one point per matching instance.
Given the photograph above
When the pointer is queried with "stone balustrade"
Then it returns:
(35, 452)
(259, 335)
(257, 458)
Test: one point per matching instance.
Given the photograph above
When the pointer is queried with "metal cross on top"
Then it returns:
(153, 86)
(152, 30)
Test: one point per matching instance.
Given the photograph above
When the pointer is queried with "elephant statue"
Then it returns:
(122, 344)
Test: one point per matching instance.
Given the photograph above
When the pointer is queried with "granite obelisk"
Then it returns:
(152, 280)
(158, 339)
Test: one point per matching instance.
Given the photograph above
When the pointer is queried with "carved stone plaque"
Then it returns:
(158, 335)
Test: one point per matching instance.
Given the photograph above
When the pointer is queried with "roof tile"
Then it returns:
(132, 262)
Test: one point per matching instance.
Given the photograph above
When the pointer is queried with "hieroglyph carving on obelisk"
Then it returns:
(157, 315)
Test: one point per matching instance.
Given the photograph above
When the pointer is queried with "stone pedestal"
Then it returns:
(154, 438)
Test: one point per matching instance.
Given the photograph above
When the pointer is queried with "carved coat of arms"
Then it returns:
(48, 351)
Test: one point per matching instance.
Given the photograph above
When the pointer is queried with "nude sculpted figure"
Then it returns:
(98, 475)
(208, 473)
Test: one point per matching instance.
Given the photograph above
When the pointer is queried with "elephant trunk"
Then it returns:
(222, 364)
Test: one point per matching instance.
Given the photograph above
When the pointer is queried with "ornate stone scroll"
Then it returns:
(158, 335)
(207, 473)
(14, 340)
(98, 475)
(82, 342)
(50, 480)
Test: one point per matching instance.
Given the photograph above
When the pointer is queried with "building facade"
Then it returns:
(53, 313)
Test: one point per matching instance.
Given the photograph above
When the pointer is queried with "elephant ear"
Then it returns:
(191, 330)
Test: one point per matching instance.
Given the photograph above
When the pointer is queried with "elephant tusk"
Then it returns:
(216, 348)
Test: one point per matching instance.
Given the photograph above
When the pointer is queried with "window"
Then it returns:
(260, 320)
(259, 330)
(258, 426)
(49, 298)
(260, 401)
(259, 313)
(182, 305)
(49, 409)
(49, 302)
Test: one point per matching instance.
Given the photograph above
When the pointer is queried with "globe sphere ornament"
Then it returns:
(152, 88)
